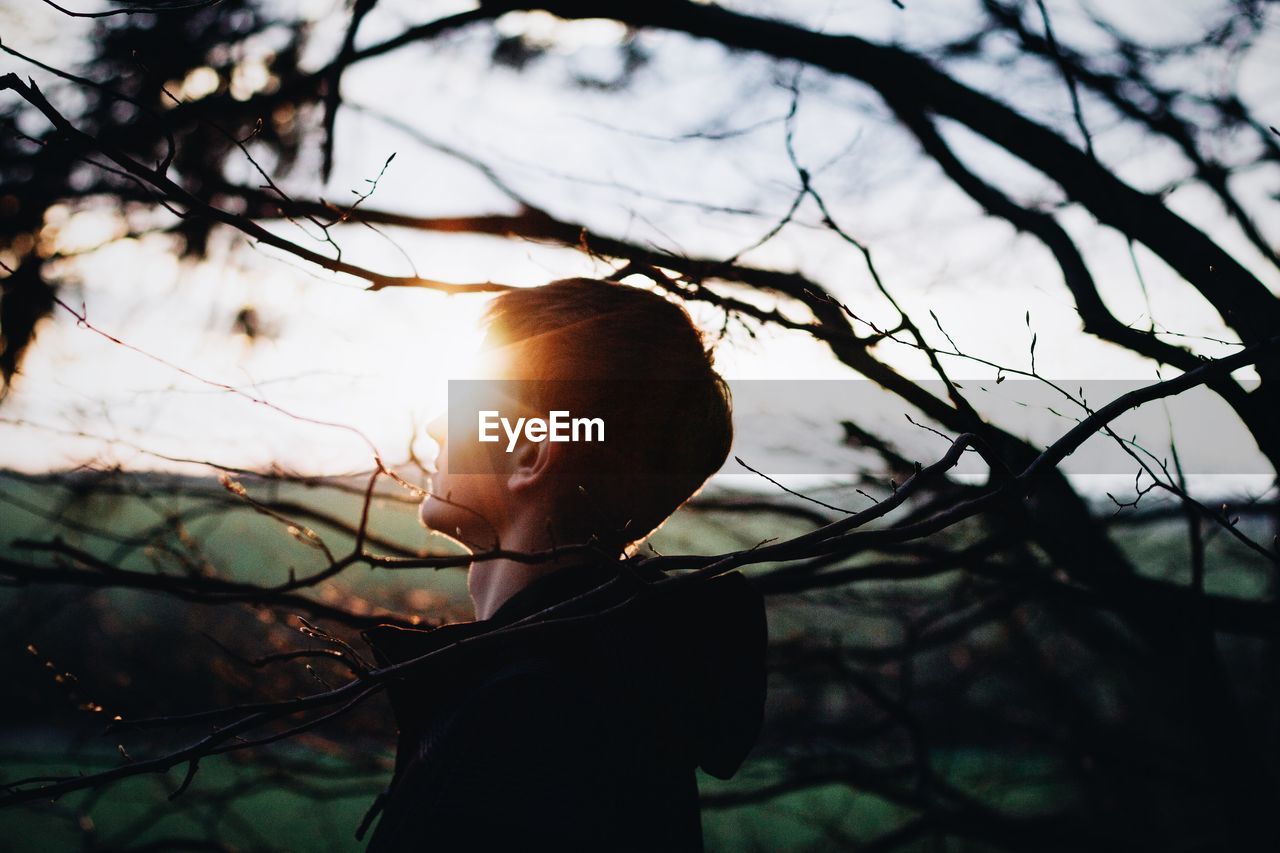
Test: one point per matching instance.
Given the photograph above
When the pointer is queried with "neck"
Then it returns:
(492, 582)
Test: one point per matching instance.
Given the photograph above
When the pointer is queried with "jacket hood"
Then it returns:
(690, 655)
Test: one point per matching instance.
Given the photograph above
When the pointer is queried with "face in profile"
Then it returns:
(473, 493)
(467, 507)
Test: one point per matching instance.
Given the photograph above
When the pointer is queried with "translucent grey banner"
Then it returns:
(802, 427)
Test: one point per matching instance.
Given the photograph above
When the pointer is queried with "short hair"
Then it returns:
(638, 360)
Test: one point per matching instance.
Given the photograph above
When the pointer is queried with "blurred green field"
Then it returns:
(246, 545)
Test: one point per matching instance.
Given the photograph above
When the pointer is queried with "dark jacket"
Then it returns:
(582, 735)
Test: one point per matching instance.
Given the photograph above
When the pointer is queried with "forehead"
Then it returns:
(500, 358)
(541, 347)
(494, 361)
(497, 377)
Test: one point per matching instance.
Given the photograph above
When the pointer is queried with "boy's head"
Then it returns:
(594, 349)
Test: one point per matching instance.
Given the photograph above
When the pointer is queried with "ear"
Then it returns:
(532, 463)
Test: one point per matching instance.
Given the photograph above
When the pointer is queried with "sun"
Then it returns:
(409, 370)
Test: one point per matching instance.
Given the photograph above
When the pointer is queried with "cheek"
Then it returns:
(473, 513)
(451, 496)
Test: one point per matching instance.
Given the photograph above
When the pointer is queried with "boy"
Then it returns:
(585, 737)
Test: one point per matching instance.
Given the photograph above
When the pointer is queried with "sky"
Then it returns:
(377, 364)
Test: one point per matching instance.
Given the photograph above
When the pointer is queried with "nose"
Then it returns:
(438, 429)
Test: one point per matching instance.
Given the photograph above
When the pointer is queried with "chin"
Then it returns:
(429, 513)
(439, 518)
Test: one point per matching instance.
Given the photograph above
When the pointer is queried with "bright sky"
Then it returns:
(378, 362)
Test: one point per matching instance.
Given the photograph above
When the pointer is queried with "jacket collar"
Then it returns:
(392, 644)
(553, 588)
